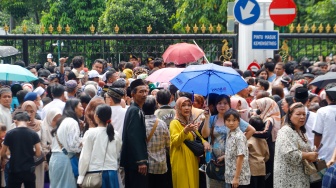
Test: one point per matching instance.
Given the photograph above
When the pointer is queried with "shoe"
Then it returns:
(202, 168)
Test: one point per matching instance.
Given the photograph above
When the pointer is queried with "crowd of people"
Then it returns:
(74, 125)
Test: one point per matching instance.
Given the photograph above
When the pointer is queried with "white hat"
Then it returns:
(49, 56)
(78, 75)
(93, 74)
(39, 91)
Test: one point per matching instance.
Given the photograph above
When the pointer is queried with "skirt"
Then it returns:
(60, 171)
(110, 179)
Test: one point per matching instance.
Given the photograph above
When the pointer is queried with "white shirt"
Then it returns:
(309, 126)
(325, 124)
(56, 103)
(68, 135)
(95, 151)
(5, 116)
(117, 118)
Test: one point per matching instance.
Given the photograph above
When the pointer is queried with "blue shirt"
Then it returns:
(329, 178)
(271, 78)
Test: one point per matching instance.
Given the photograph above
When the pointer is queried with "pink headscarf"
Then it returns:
(234, 102)
(270, 112)
(34, 124)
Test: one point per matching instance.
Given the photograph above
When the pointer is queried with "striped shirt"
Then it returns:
(157, 145)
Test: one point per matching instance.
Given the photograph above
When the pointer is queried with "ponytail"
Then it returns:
(110, 131)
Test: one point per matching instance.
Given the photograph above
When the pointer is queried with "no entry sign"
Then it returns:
(282, 12)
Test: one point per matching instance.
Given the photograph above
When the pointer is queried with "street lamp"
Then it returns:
(59, 44)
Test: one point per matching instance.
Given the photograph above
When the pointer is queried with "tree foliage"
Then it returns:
(200, 12)
(79, 14)
(134, 16)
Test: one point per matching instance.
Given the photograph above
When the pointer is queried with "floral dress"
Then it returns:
(288, 166)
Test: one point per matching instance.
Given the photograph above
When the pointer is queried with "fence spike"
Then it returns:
(195, 28)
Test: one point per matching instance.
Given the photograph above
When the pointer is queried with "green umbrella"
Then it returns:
(10, 72)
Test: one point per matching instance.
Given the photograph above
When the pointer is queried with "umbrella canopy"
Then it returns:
(181, 53)
(10, 72)
(209, 78)
(322, 81)
(6, 51)
(164, 75)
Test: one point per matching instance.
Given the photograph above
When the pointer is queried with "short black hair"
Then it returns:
(72, 76)
(77, 61)
(269, 66)
(158, 62)
(57, 90)
(232, 112)
(257, 123)
(84, 98)
(149, 106)
(22, 116)
(121, 65)
(15, 88)
(101, 61)
(163, 97)
(247, 73)
(129, 65)
(110, 73)
(43, 73)
(20, 63)
(185, 94)
(277, 58)
(264, 84)
(21, 95)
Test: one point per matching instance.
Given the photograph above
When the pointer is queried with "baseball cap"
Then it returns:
(78, 75)
(71, 84)
(30, 96)
(93, 74)
(50, 56)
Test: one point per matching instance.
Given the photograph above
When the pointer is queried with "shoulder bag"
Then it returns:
(196, 146)
(152, 131)
(94, 179)
(215, 170)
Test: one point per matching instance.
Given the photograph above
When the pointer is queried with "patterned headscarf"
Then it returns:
(34, 124)
(270, 112)
(178, 107)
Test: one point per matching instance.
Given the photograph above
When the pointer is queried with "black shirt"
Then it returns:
(21, 141)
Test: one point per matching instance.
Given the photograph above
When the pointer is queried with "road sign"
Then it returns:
(282, 12)
(265, 40)
(246, 12)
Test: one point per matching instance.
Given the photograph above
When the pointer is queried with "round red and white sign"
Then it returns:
(282, 12)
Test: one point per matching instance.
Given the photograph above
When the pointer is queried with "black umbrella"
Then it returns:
(322, 81)
(6, 51)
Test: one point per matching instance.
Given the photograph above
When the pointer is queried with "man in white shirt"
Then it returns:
(325, 126)
(279, 71)
(57, 92)
(5, 102)
(113, 98)
(301, 95)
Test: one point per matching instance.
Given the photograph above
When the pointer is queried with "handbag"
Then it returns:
(309, 167)
(94, 179)
(39, 160)
(196, 146)
(321, 168)
(73, 159)
(215, 170)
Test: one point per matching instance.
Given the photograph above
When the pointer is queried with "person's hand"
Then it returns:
(206, 113)
(330, 163)
(142, 169)
(220, 159)
(235, 182)
(189, 127)
(207, 146)
(62, 60)
(46, 166)
(312, 156)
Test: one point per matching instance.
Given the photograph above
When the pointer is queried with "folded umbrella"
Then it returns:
(164, 74)
(10, 72)
(209, 78)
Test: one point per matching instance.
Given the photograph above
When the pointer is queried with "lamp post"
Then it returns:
(59, 44)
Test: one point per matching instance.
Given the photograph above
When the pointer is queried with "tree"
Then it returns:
(134, 16)
(200, 12)
(78, 14)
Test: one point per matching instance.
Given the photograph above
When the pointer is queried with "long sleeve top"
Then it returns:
(98, 153)
(68, 134)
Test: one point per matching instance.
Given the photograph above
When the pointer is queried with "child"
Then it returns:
(237, 169)
(258, 155)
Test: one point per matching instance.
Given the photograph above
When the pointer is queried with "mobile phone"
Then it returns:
(64, 151)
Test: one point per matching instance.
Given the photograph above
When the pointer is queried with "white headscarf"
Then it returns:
(46, 137)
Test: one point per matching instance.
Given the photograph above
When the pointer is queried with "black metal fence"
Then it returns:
(113, 48)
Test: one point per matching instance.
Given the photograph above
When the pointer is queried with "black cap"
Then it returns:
(133, 56)
(309, 75)
(301, 94)
(136, 83)
(331, 93)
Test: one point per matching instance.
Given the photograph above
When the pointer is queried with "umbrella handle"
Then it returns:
(202, 50)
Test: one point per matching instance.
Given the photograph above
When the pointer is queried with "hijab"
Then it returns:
(34, 124)
(270, 112)
(46, 138)
(51, 114)
(178, 115)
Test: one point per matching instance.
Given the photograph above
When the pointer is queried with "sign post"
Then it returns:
(247, 12)
(282, 12)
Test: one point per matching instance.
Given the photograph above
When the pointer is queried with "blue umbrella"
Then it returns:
(10, 72)
(209, 78)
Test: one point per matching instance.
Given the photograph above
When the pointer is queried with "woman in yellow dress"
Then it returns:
(183, 161)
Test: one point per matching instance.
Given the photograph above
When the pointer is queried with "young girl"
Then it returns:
(237, 169)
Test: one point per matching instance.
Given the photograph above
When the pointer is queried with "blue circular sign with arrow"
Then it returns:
(246, 12)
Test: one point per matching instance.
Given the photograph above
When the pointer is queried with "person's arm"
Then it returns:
(239, 166)
(73, 139)
(3, 151)
(266, 133)
(249, 131)
(332, 160)
(317, 139)
(177, 136)
(85, 156)
(206, 127)
(37, 147)
(318, 128)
